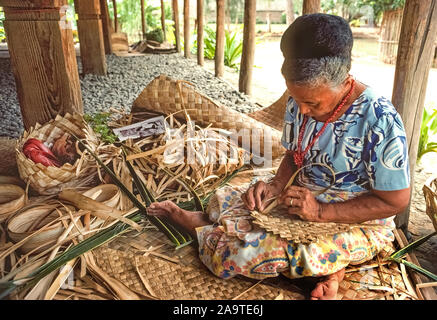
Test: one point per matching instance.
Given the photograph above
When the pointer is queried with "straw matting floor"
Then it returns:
(149, 264)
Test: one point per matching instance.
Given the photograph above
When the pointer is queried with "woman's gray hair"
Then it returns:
(317, 49)
(317, 71)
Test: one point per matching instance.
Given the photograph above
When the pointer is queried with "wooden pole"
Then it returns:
(114, 5)
(106, 26)
(200, 19)
(187, 28)
(89, 27)
(310, 6)
(290, 12)
(143, 20)
(248, 54)
(176, 23)
(43, 59)
(415, 51)
(163, 20)
(220, 39)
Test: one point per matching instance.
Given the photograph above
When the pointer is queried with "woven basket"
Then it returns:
(170, 96)
(50, 180)
(272, 116)
(430, 193)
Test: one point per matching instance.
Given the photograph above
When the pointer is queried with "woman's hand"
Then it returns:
(301, 201)
(257, 196)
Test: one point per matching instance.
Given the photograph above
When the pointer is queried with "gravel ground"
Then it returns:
(126, 78)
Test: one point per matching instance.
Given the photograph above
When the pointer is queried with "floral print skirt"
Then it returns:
(233, 245)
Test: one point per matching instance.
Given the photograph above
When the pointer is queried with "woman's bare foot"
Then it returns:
(327, 289)
(189, 220)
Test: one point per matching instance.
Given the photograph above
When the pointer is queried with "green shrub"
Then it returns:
(427, 129)
(155, 35)
(233, 49)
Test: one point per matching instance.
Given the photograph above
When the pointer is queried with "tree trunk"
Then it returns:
(114, 5)
(248, 54)
(143, 20)
(310, 6)
(290, 12)
(200, 19)
(92, 46)
(220, 39)
(106, 26)
(43, 60)
(176, 23)
(164, 32)
(186, 28)
(415, 51)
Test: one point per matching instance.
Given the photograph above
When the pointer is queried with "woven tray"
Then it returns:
(169, 96)
(171, 281)
(279, 222)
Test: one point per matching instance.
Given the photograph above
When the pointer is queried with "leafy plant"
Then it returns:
(233, 49)
(399, 255)
(427, 129)
(2, 30)
(99, 123)
(155, 35)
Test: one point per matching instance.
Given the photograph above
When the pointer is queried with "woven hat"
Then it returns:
(51, 179)
(169, 96)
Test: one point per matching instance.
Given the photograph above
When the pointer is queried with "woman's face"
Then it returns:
(318, 102)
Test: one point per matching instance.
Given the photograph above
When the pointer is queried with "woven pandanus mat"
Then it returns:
(383, 282)
(169, 96)
(172, 281)
(291, 228)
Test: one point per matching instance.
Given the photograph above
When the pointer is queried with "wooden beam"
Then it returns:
(200, 20)
(143, 20)
(164, 32)
(90, 30)
(114, 6)
(187, 28)
(248, 54)
(220, 39)
(176, 23)
(415, 53)
(310, 6)
(106, 26)
(43, 60)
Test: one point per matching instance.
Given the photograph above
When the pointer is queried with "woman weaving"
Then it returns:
(332, 119)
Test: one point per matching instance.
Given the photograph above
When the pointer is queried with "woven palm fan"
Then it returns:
(51, 179)
(169, 96)
(430, 193)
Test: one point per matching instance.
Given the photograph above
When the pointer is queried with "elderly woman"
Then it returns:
(330, 118)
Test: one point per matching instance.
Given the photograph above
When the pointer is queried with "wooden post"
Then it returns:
(187, 28)
(89, 27)
(200, 19)
(43, 59)
(415, 51)
(176, 24)
(163, 20)
(220, 39)
(290, 12)
(143, 20)
(310, 6)
(106, 26)
(248, 54)
(114, 6)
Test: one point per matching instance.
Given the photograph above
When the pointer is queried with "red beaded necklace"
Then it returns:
(299, 155)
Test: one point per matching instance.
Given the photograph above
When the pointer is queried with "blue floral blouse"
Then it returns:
(366, 147)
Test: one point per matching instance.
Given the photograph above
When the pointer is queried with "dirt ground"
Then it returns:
(268, 85)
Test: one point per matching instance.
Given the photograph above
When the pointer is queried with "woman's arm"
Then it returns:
(376, 205)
